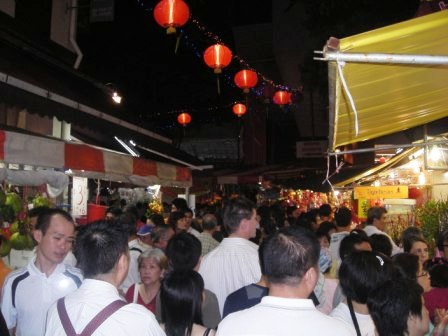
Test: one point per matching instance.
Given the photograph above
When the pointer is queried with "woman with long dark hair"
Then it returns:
(181, 298)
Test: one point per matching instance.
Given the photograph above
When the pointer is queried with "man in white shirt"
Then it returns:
(234, 263)
(29, 292)
(103, 275)
(376, 224)
(290, 259)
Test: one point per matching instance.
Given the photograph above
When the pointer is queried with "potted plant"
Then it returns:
(433, 218)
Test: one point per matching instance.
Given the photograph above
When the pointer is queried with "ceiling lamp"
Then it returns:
(171, 14)
(184, 119)
(246, 79)
(282, 98)
(239, 109)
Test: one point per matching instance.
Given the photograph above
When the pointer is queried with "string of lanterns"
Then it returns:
(172, 14)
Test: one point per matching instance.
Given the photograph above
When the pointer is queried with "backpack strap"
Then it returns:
(65, 320)
(90, 328)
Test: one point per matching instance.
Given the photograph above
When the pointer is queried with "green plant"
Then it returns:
(433, 218)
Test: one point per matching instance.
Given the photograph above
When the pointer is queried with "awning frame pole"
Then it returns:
(383, 58)
(365, 150)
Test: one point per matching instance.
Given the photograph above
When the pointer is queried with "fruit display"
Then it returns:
(15, 232)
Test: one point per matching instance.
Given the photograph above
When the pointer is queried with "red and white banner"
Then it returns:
(89, 161)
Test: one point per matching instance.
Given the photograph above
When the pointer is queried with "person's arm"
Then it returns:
(8, 311)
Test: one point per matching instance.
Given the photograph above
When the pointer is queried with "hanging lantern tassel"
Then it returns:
(176, 48)
(218, 84)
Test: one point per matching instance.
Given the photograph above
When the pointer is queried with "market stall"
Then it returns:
(382, 82)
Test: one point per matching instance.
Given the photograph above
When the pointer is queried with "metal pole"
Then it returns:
(365, 150)
(383, 58)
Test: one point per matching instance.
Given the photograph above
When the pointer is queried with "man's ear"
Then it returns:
(311, 276)
(37, 235)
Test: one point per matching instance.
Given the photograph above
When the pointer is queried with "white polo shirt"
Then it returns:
(365, 322)
(86, 302)
(230, 266)
(282, 316)
(28, 294)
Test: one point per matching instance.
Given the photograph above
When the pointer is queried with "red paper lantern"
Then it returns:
(282, 98)
(239, 109)
(246, 79)
(184, 119)
(217, 56)
(171, 14)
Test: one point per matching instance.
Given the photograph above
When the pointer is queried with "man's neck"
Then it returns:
(343, 228)
(44, 265)
(287, 291)
(237, 235)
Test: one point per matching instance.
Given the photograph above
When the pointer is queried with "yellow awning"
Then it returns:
(388, 164)
(390, 97)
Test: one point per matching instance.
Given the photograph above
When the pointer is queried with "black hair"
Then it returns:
(348, 244)
(183, 251)
(45, 216)
(406, 266)
(261, 248)
(326, 227)
(361, 272)
(188, 210)
(442, 239)
(98, 247)
(235, 211)
(180, 203)
(174, 217)
(114, 211)
(343, 217)
(181, 299)
(375, 213)
(391, 304)
(289, 254)
(35, 212)
(408, 243)
(157, 219)
(325, 210)
(128, 221)
(439, 276)
(209, 222)
(381, 243)
(409, 232)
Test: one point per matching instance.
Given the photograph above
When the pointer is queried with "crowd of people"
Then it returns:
(239, 270)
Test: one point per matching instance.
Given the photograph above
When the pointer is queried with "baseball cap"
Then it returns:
(144, 230)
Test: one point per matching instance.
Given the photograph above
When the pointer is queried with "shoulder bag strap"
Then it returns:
(102, 316)
(354, 319)
(65, 320)
(207, 332)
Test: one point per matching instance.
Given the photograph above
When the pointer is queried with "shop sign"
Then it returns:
(102, 10)
(309, 149)
(398, 191)
(79, 196)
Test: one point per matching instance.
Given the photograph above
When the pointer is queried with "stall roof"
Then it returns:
(88, 161)
(389, 97)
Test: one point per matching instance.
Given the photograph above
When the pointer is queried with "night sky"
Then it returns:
(135, 54)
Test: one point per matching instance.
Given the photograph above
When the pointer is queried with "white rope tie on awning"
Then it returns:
(347, 92)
